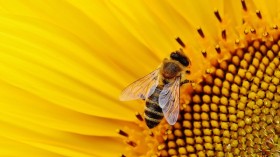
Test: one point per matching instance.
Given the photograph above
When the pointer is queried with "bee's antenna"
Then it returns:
(180, 42)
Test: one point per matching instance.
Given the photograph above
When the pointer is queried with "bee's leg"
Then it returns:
(186, 81)
(142, 97)
(187, 72)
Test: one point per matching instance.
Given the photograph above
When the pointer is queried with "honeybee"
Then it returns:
(160, 89)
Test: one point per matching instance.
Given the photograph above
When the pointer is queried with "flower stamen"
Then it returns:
(200, 32)
(224, 35)
(265, 34)
(237, 41)
(131, 143)
(138, 116)
(218, 49)
(253, 30)
(216, 12)
(180, 42)
(244, 5)
(121, 132)
(151, 134)
(246, 31)
(258, 12)
(204, 53)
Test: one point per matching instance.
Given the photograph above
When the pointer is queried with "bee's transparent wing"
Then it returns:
(142, 88)
(169, 101)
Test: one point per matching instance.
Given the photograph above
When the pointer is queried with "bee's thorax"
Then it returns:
(170, 70)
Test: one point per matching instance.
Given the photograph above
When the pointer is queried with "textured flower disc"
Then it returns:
(233, 108)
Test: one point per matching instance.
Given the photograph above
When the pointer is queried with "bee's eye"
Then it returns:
(188, 60)
(185, 62)
(174, 55)
(182, 59)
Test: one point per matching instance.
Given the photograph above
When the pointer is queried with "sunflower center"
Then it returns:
(234, 110)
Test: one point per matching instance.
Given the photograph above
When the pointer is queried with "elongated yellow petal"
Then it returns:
(55, 141)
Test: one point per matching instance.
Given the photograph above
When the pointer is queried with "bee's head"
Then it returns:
(178, 56)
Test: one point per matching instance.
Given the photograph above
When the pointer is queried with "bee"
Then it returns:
(160, 89)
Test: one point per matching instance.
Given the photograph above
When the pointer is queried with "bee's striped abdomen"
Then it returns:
(153, 112)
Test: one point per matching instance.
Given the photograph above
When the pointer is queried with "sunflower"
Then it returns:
(64, 64)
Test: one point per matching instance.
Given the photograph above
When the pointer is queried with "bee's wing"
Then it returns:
(142, 88)
(169, 101)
